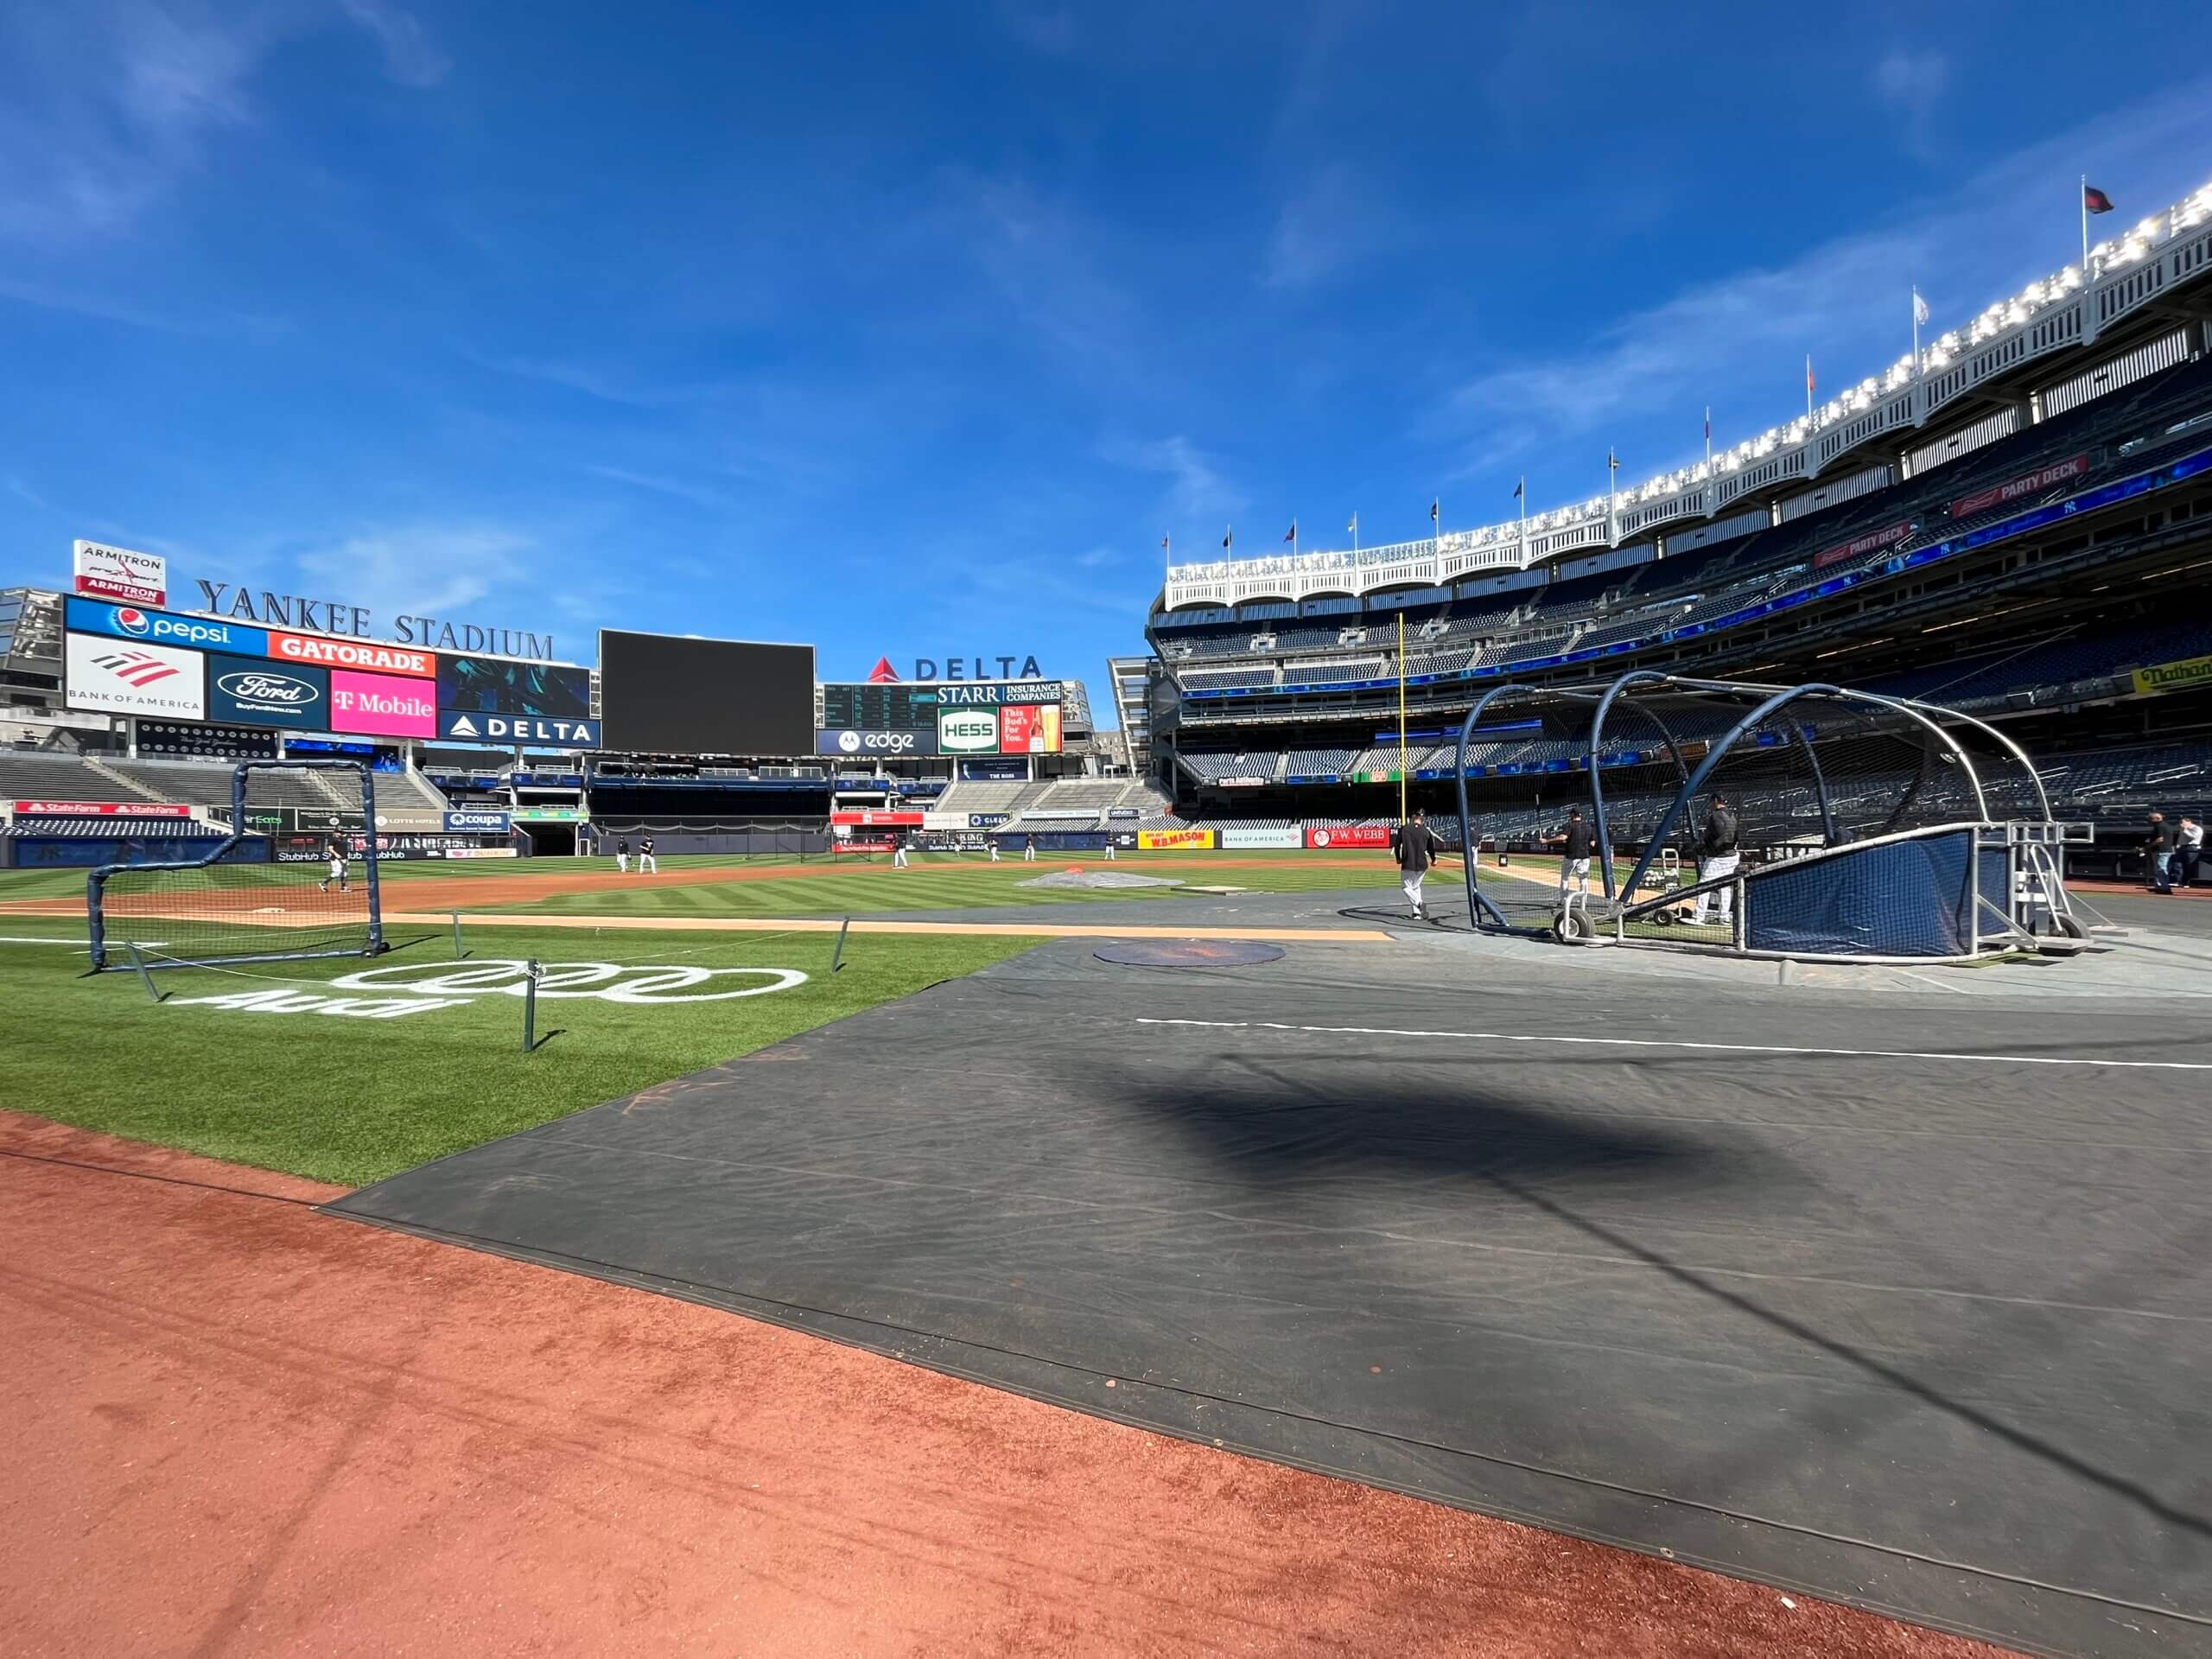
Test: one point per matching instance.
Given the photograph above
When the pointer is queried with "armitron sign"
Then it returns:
(104, 572)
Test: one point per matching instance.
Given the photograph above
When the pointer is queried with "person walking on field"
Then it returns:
(2158, 849)
(898, 852)
(336, 852)
(994, 849)
(2188, 852)
(622, 855)
(645, 859)
(1414, 845)
(1717, 856)
(1574, 844)
(1029, 849)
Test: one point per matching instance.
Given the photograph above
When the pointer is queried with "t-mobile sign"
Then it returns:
(382, 705)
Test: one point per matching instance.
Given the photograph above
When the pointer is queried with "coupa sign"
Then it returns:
(480, 824)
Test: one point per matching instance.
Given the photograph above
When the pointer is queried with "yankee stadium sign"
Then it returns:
(335, 616)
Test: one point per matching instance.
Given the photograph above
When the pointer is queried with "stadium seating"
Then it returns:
(49, 777)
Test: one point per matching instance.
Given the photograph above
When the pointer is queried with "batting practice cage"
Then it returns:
(1811, 822)
(294, 877)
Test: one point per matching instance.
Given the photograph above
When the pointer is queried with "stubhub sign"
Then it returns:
(474, 727)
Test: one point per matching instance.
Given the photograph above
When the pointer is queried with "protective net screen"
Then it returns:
(296, 878)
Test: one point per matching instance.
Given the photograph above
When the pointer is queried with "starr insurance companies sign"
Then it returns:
(104, 572)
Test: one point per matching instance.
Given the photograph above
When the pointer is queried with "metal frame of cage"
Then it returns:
(96, 881)
(1574, 918)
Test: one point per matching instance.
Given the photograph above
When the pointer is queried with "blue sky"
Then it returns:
(914, 332)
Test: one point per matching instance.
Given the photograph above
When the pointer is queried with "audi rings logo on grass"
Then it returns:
(631, 984)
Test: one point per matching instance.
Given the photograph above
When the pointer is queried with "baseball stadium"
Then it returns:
(1638, 1055)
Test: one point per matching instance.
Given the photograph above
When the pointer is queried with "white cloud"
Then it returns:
(1739, 341)
(109, 103)
(1912, 77)
(1045, 261)
(1195, 489)
(424, 569)
(1321, 229)
(659, 484)
(409, 56)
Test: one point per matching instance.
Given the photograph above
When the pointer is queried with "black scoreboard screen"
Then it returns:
(879, 707)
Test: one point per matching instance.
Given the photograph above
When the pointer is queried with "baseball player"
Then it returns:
(622, 855)
(645, 859)
(336, 852)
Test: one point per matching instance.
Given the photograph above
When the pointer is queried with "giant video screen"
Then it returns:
(501, 685)
(667, 694)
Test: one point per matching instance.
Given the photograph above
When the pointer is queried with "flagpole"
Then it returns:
(1355, 532)
(1916, 334)
(2083, 199)
(1809, 389)
(1401, 716)
(1522, 494)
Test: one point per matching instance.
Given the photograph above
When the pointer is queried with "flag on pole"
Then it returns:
(1163, 544)
(1919, 308)
(1808, 375)
(1519, 489)
(1291, 535)
(1353, 527)
(1228, 536)
(1435, 509)
(2094, 200)
(1612, 461)
(1708, 424)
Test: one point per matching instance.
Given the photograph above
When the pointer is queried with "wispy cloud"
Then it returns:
(1912, 85)
(661, 485)
(115, 101)
(1739, 341)
(1195, 489)
(1045, 261)
(1320, 230)
(409, 56)
(424, 569)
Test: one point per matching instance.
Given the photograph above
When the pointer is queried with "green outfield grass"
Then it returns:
(352, 1099)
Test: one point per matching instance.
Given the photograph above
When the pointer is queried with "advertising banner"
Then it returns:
(984, 820)
(856, 742)
(994, 694)
(118, 573)
(162, 627)
(968, 731)
(1863, 544)
(1160, 841)
(2173, 677)
(1257, 783)
(945, 820)
(362, 654)
(98, 809)
(499, 685)
(1234, 836)
(379, 705)
(1359, 835)
(877, 817)
(1010, 769)
(472, 727)
(2027, 483)
(854, 844)
(254, 691)
(482, 852)
(549, 815)
(1123, 812)
(122, 678)
(475, 820)
(1030, 728)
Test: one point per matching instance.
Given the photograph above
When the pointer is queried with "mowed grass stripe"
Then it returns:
(351, 1100)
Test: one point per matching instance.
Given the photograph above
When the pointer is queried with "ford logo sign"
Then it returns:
(261, 689)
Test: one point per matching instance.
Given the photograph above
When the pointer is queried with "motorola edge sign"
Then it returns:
(854, 742)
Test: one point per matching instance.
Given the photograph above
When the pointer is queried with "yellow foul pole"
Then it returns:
(1401, 716)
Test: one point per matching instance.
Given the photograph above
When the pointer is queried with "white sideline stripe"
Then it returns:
(1719, 1048)
(26, 938)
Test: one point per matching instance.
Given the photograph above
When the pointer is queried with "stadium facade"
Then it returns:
(2017, 524)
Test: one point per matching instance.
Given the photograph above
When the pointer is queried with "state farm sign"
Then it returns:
(105, 572)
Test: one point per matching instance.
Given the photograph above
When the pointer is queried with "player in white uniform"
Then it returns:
(622, 855)
(336, 853)
(645, 859)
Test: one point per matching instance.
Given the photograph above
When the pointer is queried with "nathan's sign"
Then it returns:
(2027, 483)
(2189, 672)
(276, 610)
(1888, 536)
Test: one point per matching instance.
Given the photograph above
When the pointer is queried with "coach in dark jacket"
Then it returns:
(1414, 845)
(1717, 857)
(2158, 855)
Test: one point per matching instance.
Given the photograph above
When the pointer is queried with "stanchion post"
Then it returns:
(529, 1010)
(837, 956)
(457, 951)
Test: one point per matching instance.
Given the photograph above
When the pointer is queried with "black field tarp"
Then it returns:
(1922, 1324)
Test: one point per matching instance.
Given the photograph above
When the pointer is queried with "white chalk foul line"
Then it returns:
(1710, 1048)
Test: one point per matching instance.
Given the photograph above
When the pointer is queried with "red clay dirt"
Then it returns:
(243, 1427)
